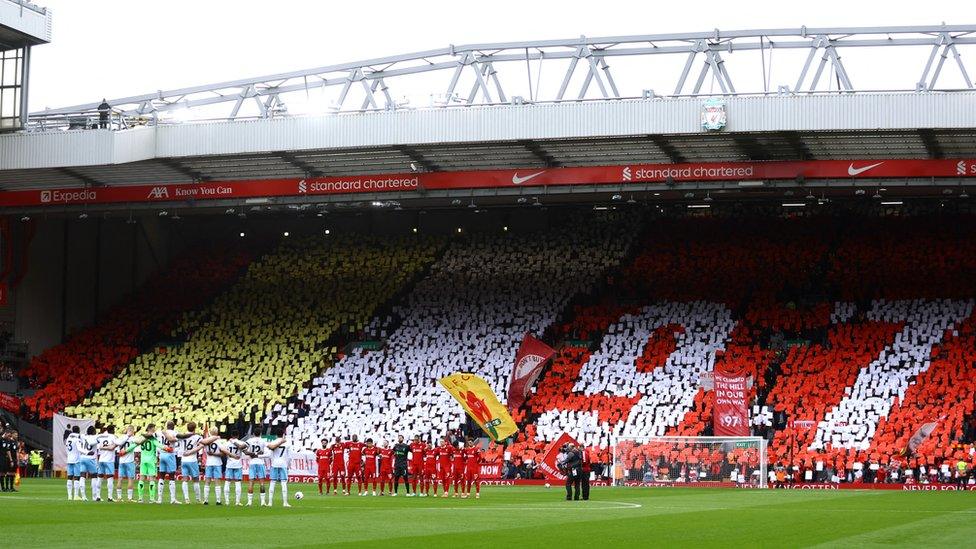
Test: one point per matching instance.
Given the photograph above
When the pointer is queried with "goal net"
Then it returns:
(708, 461)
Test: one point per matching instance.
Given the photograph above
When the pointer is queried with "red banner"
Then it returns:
(215, 190)
(548, 464)
(4, 297)
(529, 361)
(491, 470)
(10, 402)
(531, 177)
(702, 171)
(731, 415)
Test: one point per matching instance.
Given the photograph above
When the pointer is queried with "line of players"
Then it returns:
(93, 456)
(420, 465)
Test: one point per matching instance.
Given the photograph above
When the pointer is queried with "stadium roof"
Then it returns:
(23, 24)
(490, 128)
(930, 125)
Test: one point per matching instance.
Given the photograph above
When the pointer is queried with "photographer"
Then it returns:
(571, 465)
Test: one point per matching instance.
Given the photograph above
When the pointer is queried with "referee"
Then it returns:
(400, 451)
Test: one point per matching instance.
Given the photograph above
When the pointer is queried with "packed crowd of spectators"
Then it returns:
(857, 336)
(625, 365)
(859, 380)
(267, 335)
(67, 373)
(468, 315)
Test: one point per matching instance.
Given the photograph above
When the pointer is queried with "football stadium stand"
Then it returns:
(837, 367)
(67, 373)
(261, 340)
(857, 333)
(468, 315)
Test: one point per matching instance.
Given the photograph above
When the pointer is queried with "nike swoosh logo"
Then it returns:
(516, 180)
(852, 171)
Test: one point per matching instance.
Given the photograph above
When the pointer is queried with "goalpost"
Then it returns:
(719, 461)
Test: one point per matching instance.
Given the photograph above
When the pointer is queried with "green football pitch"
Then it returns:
(40, 516)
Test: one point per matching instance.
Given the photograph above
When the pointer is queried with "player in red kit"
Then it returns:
(445, 455)
(430, 470)
(338, 454)
(472, 469)
(323, 456)
(354, 465)
(417, 451)
(458, 471)
(370, 453)
(386, 468)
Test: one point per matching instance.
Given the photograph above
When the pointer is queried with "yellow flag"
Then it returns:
(480, 402)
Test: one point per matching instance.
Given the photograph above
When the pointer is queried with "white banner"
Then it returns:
(62, 426)
(303, 464)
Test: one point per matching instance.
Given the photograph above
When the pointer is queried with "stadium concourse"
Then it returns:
(857, 330)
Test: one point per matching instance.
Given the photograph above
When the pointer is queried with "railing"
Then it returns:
(90, 120)
(24, 4)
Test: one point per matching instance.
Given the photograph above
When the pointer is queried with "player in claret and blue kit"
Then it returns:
(106, 443)
(233, 449)
(170, 441)
(72, 446)
(210, 445)
(190, 466)
(280, 457)
(87, 468)
(127, 463)
(255, 447)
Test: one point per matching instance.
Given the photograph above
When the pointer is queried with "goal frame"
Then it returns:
(760, 442)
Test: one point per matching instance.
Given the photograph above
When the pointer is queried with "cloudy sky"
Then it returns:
(114, 48)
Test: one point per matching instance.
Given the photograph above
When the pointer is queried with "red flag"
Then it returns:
(548, 465)
(731, 415)
(529, 361)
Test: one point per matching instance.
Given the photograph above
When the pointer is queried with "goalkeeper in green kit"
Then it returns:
(149, 445)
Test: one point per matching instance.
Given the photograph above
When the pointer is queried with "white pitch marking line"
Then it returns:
(607, 505)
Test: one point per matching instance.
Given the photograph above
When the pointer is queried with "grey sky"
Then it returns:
(114, 48)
